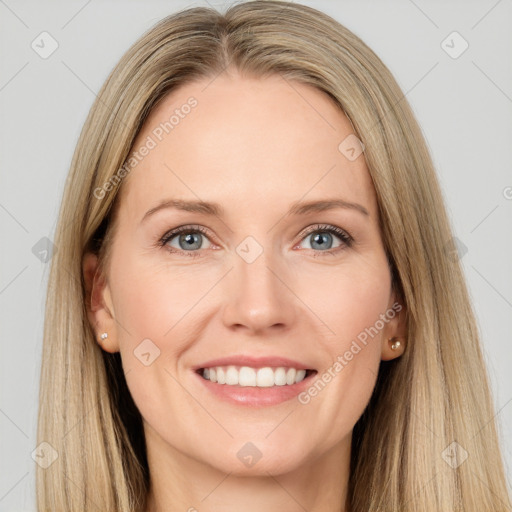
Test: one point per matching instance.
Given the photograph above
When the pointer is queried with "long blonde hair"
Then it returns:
(437, 393)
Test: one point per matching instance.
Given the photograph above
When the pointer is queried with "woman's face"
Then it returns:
(287, 273)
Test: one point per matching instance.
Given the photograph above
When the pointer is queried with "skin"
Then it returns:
(255, 146)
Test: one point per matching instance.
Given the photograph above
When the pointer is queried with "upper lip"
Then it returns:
(254, 362)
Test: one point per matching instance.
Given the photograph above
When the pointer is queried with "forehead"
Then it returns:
(245, 143)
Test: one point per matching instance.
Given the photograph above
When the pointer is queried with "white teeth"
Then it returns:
(232, 376)
(256, 377)
(290, 376)
(280, 377)
(247, 376)
(300, 375)
(265, 378)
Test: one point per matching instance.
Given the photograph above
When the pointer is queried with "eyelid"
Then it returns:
(344, 234)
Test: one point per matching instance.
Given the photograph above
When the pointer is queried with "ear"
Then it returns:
(98, 303)
(396, 327)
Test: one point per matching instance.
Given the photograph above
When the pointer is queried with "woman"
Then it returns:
(262, 311)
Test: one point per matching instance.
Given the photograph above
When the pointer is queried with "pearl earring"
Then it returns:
(104, 336)
(395, 343)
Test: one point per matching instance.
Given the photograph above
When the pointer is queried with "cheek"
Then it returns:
(152, 300)
(348, 299)
(151, 305)
(351, 304)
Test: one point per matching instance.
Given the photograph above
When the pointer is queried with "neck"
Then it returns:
(181, 483)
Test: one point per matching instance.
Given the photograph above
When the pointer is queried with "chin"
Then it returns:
(259, 459)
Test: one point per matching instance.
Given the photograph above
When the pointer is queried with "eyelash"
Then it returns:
(346, 239)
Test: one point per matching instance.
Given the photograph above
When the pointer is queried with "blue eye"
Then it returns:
(323, 237)
(187, 240)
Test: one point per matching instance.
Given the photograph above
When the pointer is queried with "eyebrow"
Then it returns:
(297, 208)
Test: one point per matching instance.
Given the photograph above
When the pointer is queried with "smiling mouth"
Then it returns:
(246, 376)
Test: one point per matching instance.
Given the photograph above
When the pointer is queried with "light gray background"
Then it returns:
(464, 106)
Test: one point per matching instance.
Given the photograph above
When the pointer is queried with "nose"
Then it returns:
(258, 297)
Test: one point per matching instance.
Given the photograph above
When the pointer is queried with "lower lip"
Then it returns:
(253, 396)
